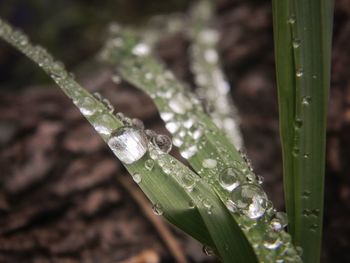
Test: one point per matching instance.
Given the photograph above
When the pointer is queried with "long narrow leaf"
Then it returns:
(303, 32)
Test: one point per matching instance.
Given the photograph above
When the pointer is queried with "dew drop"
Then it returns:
(87, 106)
(189, 151)
(163, 142)
(128, 144)
(166, 116)
(137, 123)
(137, 178)
(141, 49)
(104, 124)
(272, 240)
(180, 104)
(276, 225)
(157, 209)
(116, 79)
(283, 218)
(211, 56)
(291, 19)
(150, 134)
(306, 100)
(149, 164)
(207, 251)
(250, 200)
(299, 73)
(298, 123)
(188, 181)
(296, 43)
(230, 178)
(209, 163)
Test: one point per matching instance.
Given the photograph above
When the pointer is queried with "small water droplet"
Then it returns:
(104, 124)
(166, 116)
(250, 200)
(189, 151)
(283, 218)
(291, 19)
(116, 79)
(137, 123)
(306, 194)
(306, 156)
(276, 225)
(209, 163)
(87, 106)
(163, 143)
(296, 43)
(149, 164)
(188, 181)
(207, 251)
(128, 144)
(299, 73)
(180, 104)
(272, 240)
(120, 116)
(306, 100)
(230, 178)
(157, 209)
(150, 134)
(211, 56)
(141, 49)
(137, 178)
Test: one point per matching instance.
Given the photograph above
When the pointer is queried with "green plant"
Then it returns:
(220, 202)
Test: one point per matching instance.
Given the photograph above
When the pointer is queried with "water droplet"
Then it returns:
(208, 251)
(137, 123)
(272, 240)
(172, 127)
(211, 56)
(291, 19)
(191, 205)
(250, 200)
(188, 181)
(209, 36)
(104, 124)
(108, 105)
(276, 225)
(120, 116)
(260, 179)
(306, 100)
(116, 79)
(163, 143)
(306, 194)
(230, 178)
(298, 123)
(299, 73)
(296, 43)
(209, 163)
(299, 250)
(189, 151)
(141, 49)
(157, 209)
(166, 116)
(283, 218)
(128, 144)
(314, 227)
(149, 164)
(87, 106)
(306, 156)
(296, 151)
(150, 134)
(137, 178)
(180, 104)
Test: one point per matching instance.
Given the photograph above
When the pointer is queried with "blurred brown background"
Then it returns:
(65, 198)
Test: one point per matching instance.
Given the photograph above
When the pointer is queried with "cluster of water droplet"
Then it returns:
(213, 88)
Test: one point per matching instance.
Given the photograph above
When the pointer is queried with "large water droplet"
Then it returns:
(230, 178)
(157, 209)
(250, 200)
(128, 144)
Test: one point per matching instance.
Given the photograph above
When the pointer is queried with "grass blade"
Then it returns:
(205, 147)
(178, 193)
(303, 32)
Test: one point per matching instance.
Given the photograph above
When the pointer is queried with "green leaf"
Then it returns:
(178, 193)
(302, 31)
(206, 148)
